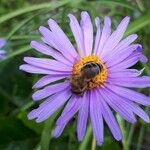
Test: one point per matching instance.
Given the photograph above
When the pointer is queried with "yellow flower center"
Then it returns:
(99, 79)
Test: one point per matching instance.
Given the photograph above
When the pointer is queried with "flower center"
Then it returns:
(90, 71)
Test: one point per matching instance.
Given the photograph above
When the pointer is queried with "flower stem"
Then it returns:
(140, 139)
(93, 144)
(124, 133)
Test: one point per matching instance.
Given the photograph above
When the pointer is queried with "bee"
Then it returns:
(79, 83)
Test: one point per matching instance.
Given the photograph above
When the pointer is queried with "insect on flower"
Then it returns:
(99, 74)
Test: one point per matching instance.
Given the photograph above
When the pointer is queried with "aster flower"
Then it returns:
(2, 52)
(94, 77)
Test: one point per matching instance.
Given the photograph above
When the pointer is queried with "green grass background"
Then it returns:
(19, 23)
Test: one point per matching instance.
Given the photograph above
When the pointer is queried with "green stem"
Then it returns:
(130, 135)
(140, 139)
(93, 144)
(124, 133)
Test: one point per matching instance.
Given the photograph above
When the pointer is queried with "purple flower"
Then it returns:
(93, 78)
(2, 52)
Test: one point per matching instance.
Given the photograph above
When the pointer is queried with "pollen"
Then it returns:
(99, 79)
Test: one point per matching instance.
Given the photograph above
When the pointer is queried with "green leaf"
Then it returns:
(115, 2)
(21, 11)
(138, 24)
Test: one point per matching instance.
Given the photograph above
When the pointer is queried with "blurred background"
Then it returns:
(19, 23)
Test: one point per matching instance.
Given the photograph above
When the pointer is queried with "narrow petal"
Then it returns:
(83, 117)
(48, 104)
(130, 94)
(87, 30)
(54, 41)
(116, 103)
(137, 110)
(122, 45)
(47, 80)
(2, 43)
(134, 82)
(115, 37)
(122, 55)
(49, 90)
(106, 31)
(77, 32)
(124, 73)
(98, 34)
(47, 50)
(128, 62)
(53, 106)
(46, 63)
(37, 70)
(62, 37)
(60, 127)
(96, 118)
(109, 118)
(65, 117)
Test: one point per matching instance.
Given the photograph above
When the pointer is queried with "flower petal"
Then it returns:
(98, 34)
(83, 116)
(65, 117)
(121, 46)
(46, 63)
(87, 30)
(62, 37)
(38, 70)
(106, 31)
(130, 94)
(2, 43)
(116, 103)
(136, 82)
(77, 32)
(96, 118)
(45, 49)
(115, 37)
(47, 80)
(49, 90)
(53, 106)
(109, 118)
(54, 41)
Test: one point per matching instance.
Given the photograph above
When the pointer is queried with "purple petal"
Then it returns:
(37, 70)
(96, 118)
(124, 73)
(98, 34)
(49, 90)
(121, 55)
(47, 80)
(62, 37)
(137, 110)
(60, 127)
(77, 32)
(43, 48)
(115, 37)
(2, 43)
(121, 46)
(54, 41)
(46, 63)
(106, 31)
(136, 82)
(128, 62)
(65, 117)
(130, 94)
(87, 30)
(110, 119)
(53, 106)
(116, 103)
(83, 117)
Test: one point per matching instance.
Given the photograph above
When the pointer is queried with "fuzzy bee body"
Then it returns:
(79, 83)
